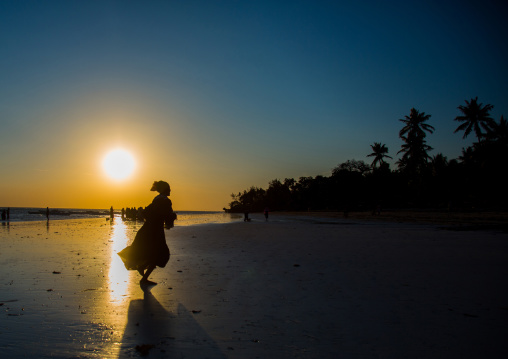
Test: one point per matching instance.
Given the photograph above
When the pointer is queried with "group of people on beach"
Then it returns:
(132, 214)
(129, 214)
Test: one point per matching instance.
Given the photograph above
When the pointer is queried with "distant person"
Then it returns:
(4, 214)
(47, 213)
(266, 213)
(8, 213)
(123, 213)
(246, 210)
(149, 248)
(111, 213)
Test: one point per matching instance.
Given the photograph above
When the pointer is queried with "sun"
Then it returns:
(118, 164)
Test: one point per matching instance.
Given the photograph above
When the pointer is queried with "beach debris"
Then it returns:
(144, 349)
(196, 311)
(55, 272)
(470, 315)
(49, 290)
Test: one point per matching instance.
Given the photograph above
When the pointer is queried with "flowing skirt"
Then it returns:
(148, 248)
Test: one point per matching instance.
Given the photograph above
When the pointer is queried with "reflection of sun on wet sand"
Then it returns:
(57, 273)
(277, 289)
(118, 276)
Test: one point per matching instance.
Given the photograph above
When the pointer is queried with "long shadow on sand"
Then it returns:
(154, 332)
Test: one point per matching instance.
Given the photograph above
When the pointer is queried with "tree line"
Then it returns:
(476, 179)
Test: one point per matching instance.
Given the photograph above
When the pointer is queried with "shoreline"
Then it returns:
(482, 219)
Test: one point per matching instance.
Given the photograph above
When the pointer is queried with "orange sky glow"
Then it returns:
(62, 160)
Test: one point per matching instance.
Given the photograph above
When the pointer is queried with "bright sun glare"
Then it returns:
(118, 164)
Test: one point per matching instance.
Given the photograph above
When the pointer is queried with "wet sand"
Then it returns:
(288, 288)
(458, 220)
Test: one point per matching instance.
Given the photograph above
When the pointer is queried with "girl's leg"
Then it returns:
(148, 271)
(142, 267)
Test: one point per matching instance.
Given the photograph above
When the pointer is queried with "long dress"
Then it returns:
(149, 246)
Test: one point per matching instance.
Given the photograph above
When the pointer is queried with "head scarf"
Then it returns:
(160, 186)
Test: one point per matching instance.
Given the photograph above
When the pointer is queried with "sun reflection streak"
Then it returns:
(118, 275)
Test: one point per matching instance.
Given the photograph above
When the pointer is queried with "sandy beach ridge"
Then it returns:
(457, 220)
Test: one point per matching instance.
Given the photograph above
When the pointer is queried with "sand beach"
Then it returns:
(292, 287)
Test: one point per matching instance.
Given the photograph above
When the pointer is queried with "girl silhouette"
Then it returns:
(149, 248)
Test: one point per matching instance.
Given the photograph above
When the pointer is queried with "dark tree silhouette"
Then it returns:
(498, 131)
(415, 149)
(415, 125)
(476, 180)
(250, 200)
(351, 166)
(278, 194)
(379, 152)
(439, 164)
(475, 117)
(468, 156)
(349, 179)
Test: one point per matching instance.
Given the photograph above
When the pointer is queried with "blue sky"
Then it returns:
(223, 95)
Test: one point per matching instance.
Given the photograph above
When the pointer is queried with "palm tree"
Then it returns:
(439, 164)
(415, 154)
(468, 155)
(415, 124)
(415, 149)
(498, 131)
(379, 152)
(475, 117)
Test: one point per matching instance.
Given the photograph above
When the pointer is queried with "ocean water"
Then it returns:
(185, 218)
